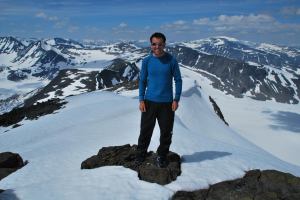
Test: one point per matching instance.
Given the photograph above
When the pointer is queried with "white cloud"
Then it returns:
(262, 27)
(178, 25)
(201, 21)
(46, 17)
(235, 20)
(123, 28)
(238, 22)
(226, 23)
(54, 18)
(123, 25)
(41, 15)
(58, 23)
(179, 22)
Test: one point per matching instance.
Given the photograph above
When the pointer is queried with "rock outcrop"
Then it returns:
(125, 156)
(256, 184)
(30, 112)
(9, 163)
(217, 110)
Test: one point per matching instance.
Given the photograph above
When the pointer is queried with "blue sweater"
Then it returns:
(156, 79)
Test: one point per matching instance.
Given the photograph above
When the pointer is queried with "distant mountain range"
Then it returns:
(238, 68)
(261, 54)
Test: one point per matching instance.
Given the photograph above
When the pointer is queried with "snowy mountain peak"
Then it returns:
(270, 46)
(263, 54)
(67, 42)
(10, 45)
(276, 49)
(231, 39)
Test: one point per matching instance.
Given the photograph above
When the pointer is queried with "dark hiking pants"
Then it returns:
(165, 117)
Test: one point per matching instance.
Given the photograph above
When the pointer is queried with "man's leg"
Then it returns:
(165, 120)
(148, 119)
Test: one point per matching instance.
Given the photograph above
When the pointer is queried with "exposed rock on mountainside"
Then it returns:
(217, 110)
(86, 82)
(10, 45)
(74, 81)
(239, 78)
(9, 163)
(30, 112)
(256, 184)
(125, 156)
(265, 54)
(118, 72)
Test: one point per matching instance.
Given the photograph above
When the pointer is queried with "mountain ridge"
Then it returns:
(42, 59)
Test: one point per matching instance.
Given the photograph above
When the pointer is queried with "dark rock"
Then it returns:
(17, 75)
(1, 190)
(119, 74)
(256, 184)
(61, 81)
(9, 163)
(127, 85)
(30, 112)
(125, 156)
(217, 110)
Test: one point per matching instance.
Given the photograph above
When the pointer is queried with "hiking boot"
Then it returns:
(161, 162)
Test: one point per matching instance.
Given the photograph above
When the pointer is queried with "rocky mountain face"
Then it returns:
(37, 59)
(239, 78)
(263, 54)
(75, 81)
(53, 60)
(10, 45)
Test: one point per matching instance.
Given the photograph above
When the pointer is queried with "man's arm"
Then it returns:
(143, 81)
(178, 81)
(143, 85)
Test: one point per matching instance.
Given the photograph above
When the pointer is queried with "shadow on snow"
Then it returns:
(286, 121)
(202, 156)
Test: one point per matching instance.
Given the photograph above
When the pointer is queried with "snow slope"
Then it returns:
(55, 145)
(271, 125)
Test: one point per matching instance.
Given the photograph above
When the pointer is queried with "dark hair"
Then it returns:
(158, 35)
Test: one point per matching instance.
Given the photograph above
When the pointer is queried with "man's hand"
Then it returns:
(174, 106)
(142, 106)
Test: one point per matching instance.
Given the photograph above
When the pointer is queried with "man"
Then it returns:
(156, 98)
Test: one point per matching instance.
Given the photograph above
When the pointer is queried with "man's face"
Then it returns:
(157, 46)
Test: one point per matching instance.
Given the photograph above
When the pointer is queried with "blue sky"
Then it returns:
(272, 21)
